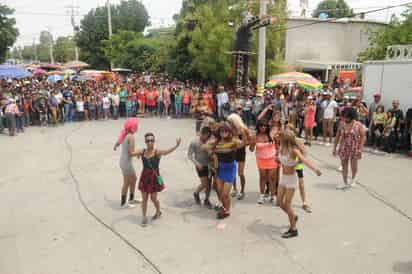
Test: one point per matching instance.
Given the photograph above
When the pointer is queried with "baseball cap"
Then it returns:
(377, 94)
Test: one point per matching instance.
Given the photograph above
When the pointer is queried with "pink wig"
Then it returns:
(130, 126)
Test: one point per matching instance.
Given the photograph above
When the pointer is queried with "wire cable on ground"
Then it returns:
(373, 193)
(155, 268)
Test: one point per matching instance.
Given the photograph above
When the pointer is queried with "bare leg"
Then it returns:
(345, 167)
(241, 173)
(287, 207)
(302, 191)
(262, 181)
(226, 196)
(153, 197)
(272, 179)
(132, 186)
(354, 167)
(145, 197)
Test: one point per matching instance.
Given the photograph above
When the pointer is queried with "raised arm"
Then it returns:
(190, 154)
(170, 150)
(308, 163)
(263, 113)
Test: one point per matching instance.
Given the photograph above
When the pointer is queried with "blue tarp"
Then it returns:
(55, 78)
(13, 72)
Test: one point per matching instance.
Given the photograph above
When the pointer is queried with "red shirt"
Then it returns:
(151, 99)
(141, 95)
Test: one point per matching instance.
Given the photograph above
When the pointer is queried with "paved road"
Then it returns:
(44, 228)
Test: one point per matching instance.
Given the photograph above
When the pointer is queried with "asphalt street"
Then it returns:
(47, 173)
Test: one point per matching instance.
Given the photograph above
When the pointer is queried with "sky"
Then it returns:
(34, 16)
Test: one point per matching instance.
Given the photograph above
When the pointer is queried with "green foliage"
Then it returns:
(8, 31)
(203, 39)
(398, 32)
(130, 15)
(64, 49)
(43, 49)
(132, 50)
(334, 9)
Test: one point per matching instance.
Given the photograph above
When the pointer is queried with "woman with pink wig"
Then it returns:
(127, 141)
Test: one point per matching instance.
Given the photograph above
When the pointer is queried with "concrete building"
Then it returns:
(323, 48)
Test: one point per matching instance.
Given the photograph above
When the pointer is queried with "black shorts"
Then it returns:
(241, 155)
(203, 173)
(299, 173)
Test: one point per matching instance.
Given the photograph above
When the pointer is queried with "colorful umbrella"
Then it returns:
(14, 72)
(304, 80)
(56, 72)
(55, 78)
(76, 64)
(39, 71)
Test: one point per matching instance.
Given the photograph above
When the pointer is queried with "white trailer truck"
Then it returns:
(392, 78)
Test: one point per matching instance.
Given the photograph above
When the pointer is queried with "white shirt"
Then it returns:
(59, 97)
(222, 98)
(106, 102)
(116, 99)
(80, 106)
(329, 109)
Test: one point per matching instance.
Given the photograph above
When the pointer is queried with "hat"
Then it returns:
(310, 97)
(377, 94)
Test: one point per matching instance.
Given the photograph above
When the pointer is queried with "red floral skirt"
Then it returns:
(148, 181)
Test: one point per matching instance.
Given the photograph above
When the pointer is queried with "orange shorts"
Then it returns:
(267, 163)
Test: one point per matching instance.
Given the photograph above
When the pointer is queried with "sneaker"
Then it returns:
(261, 200)
(129, 205)
(241, 196)
(328, 144)
(234, 193)
(217, 207)
(352, 183)
(340, 168)
(134, 202)
(290, 234)
(144, 222)
(222, 214)
(208, 204)
(197, 198)
(341, 186)
(321, 143)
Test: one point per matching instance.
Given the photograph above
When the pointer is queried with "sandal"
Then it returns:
(157, 216)
(307, 208)
(144, 222)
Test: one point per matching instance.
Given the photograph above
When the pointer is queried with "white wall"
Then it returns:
(394, 77)
(327, 41)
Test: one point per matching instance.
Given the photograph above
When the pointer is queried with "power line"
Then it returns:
(347, 17)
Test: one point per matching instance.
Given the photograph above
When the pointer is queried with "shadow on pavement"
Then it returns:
(402, 267)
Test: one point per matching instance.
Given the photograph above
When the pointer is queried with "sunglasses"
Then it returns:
(150, 141)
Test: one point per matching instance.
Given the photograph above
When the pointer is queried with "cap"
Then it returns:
(377, 94)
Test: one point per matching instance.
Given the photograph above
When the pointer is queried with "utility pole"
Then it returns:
(74, 10)
(35, 49)
(109, 19)
(262, 50)
(51, 45)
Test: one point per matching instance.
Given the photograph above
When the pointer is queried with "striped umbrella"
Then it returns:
(304, 80)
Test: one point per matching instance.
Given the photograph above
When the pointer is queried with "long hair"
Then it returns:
(237, 121)
(288, 141)
(224, 126)
(267, 130)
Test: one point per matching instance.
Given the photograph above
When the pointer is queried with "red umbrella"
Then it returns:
(39, 71)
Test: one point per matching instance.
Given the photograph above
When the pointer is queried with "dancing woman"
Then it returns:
(289, 156)
(351, 137)
(266, 154)
(151, 182)
(240, 130)
(225, 148)
(127, 141)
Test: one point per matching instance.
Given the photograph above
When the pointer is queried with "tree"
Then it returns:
(8, 31)
(43, 48)
(130, 15)
(64, 49)
(334, 9)
(133, 51)
(398, 32)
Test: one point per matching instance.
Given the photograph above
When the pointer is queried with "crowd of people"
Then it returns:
(314, 114)
(276, 125)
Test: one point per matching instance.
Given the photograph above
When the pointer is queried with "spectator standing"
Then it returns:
(11, 111)
(53, 105)
(396, 134)
(115, 104)
(68, 105)
(377, 126)
(186, 102)
(222, 100)
(329, 110)
(123, 97)
(106, 106)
